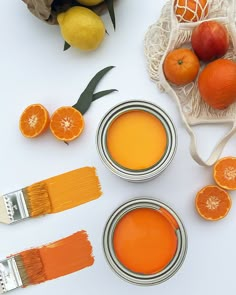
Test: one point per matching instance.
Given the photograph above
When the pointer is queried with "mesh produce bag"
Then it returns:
(169, 33)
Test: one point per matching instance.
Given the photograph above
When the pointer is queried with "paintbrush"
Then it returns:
(37, 265)
(51, 195)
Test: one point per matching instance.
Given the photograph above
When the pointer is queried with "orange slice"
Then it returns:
(34, 120)
(212, 202)
(66, 123)
(224, 173)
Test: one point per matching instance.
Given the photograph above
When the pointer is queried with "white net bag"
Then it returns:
(174, 31)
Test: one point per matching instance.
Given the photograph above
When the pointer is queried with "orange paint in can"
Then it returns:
(136, 140)
(145, 241)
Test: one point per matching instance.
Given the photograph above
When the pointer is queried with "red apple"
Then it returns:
(210, 40)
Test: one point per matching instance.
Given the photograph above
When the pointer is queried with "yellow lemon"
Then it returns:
(90, 2)
(81, 28)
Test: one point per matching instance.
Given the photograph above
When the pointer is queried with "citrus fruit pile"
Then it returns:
(213, 202)
(202, 60)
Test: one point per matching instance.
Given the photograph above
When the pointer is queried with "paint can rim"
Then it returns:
(136, 175)
(122, 271)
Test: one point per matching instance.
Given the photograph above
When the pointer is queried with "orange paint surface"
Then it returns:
(73, 188)
(136, 140)
(145, 241)
(66, 255)
(57, 259)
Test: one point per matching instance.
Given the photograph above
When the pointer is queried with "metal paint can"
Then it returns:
(136, 175)
(137, 278)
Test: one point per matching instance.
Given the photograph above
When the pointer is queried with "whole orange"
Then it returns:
(181, 66)
(190, 10)
(217, 83)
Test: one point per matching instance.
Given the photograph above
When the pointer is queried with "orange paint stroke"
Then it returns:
(73, 188)
(57, 259)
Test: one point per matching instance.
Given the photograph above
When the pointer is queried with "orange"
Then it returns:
(217, 85)
(212, 202)
(181, 66)
(67, 123)
(190, 10)
(34, 120)
(224, 172)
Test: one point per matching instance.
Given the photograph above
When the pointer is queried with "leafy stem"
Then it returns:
(88, 96)
(110, 7)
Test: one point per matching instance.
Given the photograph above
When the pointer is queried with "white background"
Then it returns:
(34, 69)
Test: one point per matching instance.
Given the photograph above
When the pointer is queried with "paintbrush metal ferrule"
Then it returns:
(13, 206)
(9, 275)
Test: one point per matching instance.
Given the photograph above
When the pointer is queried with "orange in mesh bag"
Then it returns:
(169, 33)
(190, 10)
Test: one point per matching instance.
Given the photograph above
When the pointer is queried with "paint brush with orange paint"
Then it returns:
(38, 265)
(55, 194)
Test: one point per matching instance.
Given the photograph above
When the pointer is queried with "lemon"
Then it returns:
(90, 2)
(81, 28)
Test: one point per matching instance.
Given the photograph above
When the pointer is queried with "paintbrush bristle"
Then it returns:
(4, 214)
(37, 199)
(30, 267)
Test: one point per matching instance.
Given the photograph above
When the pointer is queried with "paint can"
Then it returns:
(128, 174)
(173, 265)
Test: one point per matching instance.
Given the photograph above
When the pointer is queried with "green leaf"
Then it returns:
(110, 7)
(66, 46)
(103, 93)
(86, 97)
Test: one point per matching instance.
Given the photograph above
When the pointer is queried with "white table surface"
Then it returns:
(34, 68)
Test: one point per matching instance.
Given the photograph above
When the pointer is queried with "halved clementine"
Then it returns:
(34, 120)
(224, 173)
(67, 123)
(212, 202)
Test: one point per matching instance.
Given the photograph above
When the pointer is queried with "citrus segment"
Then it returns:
(66, 123)
(181, 66)
(224, 173)
(34, 120)
(212, 202)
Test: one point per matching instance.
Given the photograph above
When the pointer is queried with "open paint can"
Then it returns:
(136, 140)
(145, 242)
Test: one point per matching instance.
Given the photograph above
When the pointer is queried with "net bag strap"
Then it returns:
(217, 150)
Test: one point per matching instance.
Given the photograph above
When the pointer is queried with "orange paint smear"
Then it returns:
(73, 188)
(136, 140)
(57, 259)
(145, 241)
